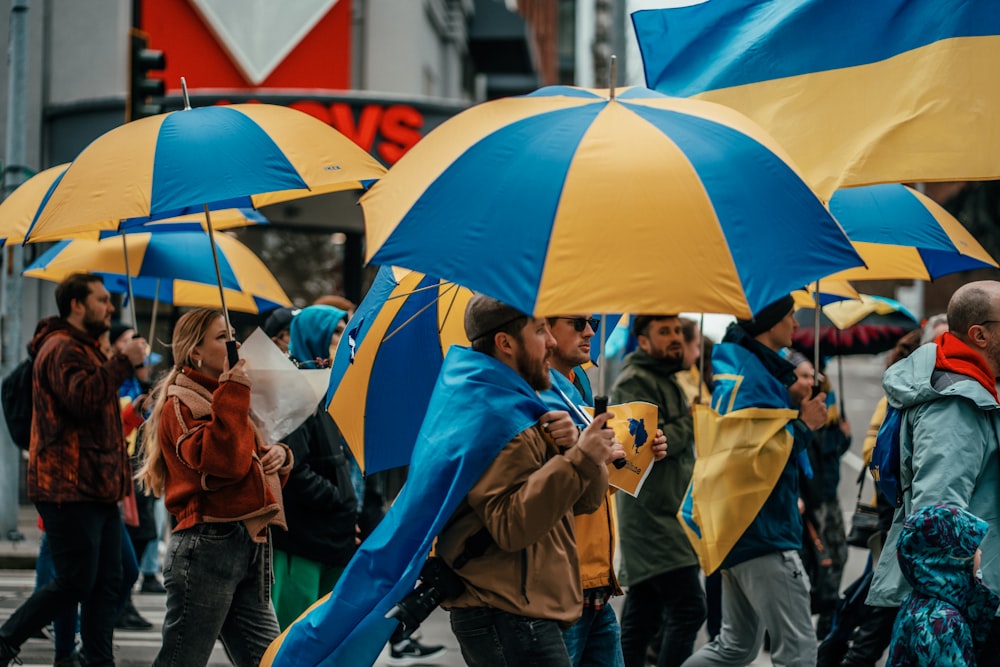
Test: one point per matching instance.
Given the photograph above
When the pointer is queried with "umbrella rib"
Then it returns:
(451, 304)
(414, 315)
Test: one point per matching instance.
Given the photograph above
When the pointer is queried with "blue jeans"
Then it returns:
(85, 544)
(149, 559)
(218, 583)
(493, 638)
(595, 640)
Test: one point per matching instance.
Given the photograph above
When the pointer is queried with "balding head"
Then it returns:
(971, 305)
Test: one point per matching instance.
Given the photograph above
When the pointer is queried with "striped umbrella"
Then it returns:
(573, 200)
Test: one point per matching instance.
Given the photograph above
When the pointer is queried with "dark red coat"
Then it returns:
(77, 450)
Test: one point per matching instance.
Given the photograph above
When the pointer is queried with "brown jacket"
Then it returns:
(212, 453)
(77, 450)
(526, 500)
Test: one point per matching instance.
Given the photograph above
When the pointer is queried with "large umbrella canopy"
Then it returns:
(868, 325)
(573, 200)
(19, 210)
(388, 361)
(244, 155)
(902, 233)
(173, 268)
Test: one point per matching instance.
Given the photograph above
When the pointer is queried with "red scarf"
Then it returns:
(955, 356)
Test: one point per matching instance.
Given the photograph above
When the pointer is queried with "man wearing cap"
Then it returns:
(511, 541)
(658, 565)
(764, 585)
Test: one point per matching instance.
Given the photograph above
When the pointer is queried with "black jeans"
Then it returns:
(674, 598)
(85, 541)
(493, 638)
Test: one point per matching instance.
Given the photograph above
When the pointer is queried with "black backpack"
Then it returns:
(15, 395)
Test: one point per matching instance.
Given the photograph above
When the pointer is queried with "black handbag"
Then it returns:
(864, 521)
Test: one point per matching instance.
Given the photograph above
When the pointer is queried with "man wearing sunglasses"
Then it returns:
(658, 564)
(596, 638)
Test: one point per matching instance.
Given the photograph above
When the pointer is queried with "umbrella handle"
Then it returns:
(232, 353)
(600, 407)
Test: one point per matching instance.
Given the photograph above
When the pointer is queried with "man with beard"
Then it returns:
(658, 565)
(946, 394)
(511, 541)
(78, 468)
(596, 638)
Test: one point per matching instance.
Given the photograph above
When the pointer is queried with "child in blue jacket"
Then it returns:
(948, 614)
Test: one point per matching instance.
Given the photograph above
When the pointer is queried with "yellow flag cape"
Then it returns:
(740, 457)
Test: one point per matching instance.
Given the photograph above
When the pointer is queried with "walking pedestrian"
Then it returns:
(222, 485)
(77, 468)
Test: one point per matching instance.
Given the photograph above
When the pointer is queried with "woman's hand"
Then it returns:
(273, 458)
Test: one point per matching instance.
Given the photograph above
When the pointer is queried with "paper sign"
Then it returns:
(282, 396)
(635, 427)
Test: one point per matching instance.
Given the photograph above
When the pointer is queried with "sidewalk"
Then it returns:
(21, 554)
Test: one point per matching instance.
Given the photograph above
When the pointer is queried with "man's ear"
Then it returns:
(977, 335)
(642, 340)
(503, 342)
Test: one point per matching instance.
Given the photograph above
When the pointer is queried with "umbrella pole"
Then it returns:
(230, 341)
(701, 355)
(128, 281)
(816, 341)
(152, 322)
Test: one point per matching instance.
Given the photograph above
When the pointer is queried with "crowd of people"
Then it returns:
(257, 532)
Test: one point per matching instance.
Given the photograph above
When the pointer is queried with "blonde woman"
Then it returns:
(222, 485)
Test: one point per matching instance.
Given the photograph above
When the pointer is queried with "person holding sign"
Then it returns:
(596, 637)
(658, 564)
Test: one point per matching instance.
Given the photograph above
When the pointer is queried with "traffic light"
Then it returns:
(141, 88)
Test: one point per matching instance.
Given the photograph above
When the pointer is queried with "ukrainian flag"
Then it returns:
(857, 91)
(479, 404)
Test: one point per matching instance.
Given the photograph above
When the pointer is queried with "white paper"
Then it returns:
(282, 396)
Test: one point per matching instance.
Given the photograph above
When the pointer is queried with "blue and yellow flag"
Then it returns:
(743, 444)
(858, 92)
(479, 404)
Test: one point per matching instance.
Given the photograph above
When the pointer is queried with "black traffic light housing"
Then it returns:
(141, 87)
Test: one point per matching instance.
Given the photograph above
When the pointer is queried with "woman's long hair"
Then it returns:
(189, 332)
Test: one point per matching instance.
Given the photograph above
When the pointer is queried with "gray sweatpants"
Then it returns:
(767, 593)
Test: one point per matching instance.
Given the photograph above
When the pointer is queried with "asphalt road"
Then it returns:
(134, 648)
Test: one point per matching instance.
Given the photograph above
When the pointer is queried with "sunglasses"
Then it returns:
(580, 323)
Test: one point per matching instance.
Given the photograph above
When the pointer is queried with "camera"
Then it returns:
(437, 583)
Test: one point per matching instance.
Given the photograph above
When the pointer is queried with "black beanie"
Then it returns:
(768, 316)
(116, 331)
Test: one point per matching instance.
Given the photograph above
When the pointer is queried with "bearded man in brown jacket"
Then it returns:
(524, 586)
(77, 468)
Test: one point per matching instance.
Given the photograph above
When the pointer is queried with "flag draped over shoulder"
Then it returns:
(858, 92)
(479, 404)
(741, 452)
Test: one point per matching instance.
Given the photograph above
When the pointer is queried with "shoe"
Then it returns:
(130, 619)
(150, 584)
(71, 660)
(8, 654)
(411, 652)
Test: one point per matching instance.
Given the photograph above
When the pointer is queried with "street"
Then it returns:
(134, 648)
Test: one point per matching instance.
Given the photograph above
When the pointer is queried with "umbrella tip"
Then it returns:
(184, 91)
(613, 76)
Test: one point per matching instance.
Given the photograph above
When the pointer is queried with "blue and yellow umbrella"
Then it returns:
(904, 234)
(173, 268)
(388, 361)
(19, 210)
(239, 156)
(574, 200)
